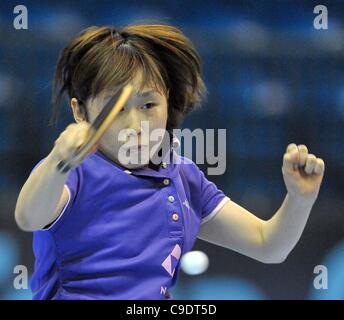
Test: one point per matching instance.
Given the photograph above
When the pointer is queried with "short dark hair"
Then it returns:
(103, 57)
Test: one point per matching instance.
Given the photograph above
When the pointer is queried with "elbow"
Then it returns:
(23, 222)
(273, 258)
(269, 253)
(20, 217)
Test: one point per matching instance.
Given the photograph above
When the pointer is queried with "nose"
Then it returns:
(133, 122)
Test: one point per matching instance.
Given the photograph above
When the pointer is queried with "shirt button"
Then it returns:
(171, 198)
(164, 165)
(175, 217)
(166, 182)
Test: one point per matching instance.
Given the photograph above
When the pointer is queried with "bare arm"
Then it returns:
(271, 241)
(235, 228)
(43, 196)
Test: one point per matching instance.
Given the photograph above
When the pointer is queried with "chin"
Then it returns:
(133, 166)
(134, 162)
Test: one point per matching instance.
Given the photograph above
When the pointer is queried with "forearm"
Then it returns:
(40, 195)
(281, 233)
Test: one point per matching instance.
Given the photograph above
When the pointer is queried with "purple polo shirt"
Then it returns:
(122, 233)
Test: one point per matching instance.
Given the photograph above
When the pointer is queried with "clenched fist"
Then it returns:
(302, 172)
(70, 140)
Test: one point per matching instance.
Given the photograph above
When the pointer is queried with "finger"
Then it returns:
(310, 163)
(81, 141)
(294, 157)
(319, 167)
(293, 150)
(287, 162)
(68, 140)
(303, 153)
(291, 146)
(81, 137)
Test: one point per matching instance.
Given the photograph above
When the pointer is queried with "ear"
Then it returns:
(78, 114)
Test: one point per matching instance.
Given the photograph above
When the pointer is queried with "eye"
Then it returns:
(148, 105)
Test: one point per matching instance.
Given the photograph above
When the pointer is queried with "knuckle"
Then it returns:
(321, 163)
(311, 157)
(302, 147)
(83, 127)
(71, 126)
(69, 147)
(84, 124)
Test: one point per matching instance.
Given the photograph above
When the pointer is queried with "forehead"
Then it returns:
(145, 93)
(141, 85)
(142, 88)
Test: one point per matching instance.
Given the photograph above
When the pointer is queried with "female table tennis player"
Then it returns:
(109, 230)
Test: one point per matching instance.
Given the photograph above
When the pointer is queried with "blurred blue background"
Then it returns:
(272, 79)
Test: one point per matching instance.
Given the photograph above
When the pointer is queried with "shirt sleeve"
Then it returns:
(212, 198)
(72, 186)
(205, 197)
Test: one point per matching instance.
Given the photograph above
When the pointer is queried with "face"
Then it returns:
(128, 140)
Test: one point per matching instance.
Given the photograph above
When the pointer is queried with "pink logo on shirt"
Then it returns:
(172, 259)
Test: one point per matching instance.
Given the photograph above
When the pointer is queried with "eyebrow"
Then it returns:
(145, 94)
(141, 95)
